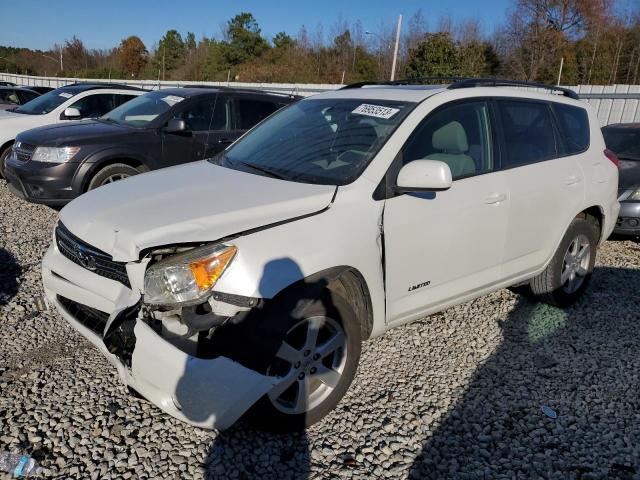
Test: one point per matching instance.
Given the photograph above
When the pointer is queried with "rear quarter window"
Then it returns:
(574, 126)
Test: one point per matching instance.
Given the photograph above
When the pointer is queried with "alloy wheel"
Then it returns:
(575, 265)
(310, 362)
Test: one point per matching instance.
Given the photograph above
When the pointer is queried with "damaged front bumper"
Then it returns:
(206, 392)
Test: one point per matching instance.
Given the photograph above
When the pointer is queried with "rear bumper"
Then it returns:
(208, 393)
(37, 182)
(628, 220)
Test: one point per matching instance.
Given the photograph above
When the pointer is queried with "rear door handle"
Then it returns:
(495, 198)
(572, 180)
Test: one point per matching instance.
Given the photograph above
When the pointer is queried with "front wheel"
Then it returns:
(568, 274)
(316, 362)
(112, 173)
(4, 156)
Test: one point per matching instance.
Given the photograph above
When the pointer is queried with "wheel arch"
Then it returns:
(98, 164)
(596, 212)
(342, 280)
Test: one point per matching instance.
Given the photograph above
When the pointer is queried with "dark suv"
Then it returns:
(56, 163)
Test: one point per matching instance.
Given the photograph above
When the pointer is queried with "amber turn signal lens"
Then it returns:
(207, 271)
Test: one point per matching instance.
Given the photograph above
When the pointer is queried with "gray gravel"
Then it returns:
(457, 395)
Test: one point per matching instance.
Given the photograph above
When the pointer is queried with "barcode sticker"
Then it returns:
(376, 111)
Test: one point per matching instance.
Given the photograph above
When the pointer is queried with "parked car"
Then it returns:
(623, 139)
(7, 84)
(158, 129)
(40, 90)
(247, 283)
(11, 97)
(72, 102)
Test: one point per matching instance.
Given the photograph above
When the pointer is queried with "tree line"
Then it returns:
(597, 41)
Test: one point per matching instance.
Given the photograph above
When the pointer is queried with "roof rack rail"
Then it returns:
(406, 81)
(240, 89)
(103, 85)
(464, 82)
(497, 82)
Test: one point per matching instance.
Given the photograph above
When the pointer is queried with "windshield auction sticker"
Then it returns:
(65, 95)
(376, 111)
(172, 99)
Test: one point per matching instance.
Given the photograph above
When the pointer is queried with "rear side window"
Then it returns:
(254, 111)
(528, 132)
(574, 124)
(458, 135)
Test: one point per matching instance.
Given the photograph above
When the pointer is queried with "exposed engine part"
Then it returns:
(119, 338)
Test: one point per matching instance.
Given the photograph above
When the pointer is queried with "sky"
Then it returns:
(100, 24)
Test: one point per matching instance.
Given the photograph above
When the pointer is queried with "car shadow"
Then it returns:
(559, 390)
(10, 272)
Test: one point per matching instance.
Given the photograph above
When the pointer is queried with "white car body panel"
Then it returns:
(456, 240)
(12, 124)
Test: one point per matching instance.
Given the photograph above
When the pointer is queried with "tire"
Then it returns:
(3, 158)
(326, 376)
(111, 173)
(578, 247)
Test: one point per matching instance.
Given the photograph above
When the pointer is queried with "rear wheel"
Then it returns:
(112, 173)
(316, 362)
(568, 274)
(4, 156)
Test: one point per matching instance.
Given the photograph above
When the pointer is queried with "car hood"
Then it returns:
(197, 202)
(629, 175)
(73, 133)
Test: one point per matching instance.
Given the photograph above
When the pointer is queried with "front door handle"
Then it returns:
(572, 180)
(495, 198)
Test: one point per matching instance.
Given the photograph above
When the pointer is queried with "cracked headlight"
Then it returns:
(54, 154)
(187, 277)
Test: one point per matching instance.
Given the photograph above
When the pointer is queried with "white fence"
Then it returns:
(614, 103)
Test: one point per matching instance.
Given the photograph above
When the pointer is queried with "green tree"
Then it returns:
(283, 41)
(244, 39)
(436, 56)
(170, 52)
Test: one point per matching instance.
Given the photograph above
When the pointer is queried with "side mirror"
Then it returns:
(176, 125)
(424, 176)
(72, 113)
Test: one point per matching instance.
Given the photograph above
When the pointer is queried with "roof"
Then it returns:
(26, 89)
(195, 90)
(83, 87)
(402, 93)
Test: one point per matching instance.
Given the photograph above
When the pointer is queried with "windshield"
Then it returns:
(143, 109)
(625, 143)
(318, 141)
(45, 103)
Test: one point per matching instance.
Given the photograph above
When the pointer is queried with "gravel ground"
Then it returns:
(457, 395)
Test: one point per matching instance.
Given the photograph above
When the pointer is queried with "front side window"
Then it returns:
(45, 103)
(206, 114)
(528, 132)
(325, 141)
(252, 112)
(574, 123)
(458, 135)
(143, 109)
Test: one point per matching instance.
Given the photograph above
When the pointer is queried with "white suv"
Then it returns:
(71, 102)
(247, 283)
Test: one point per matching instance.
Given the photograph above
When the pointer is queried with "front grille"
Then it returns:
(23, 151)
(93, 319)
(89, 257)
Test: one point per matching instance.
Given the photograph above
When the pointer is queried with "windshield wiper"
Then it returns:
(266, 171)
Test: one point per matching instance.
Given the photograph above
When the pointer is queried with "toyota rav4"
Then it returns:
(245, 284)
